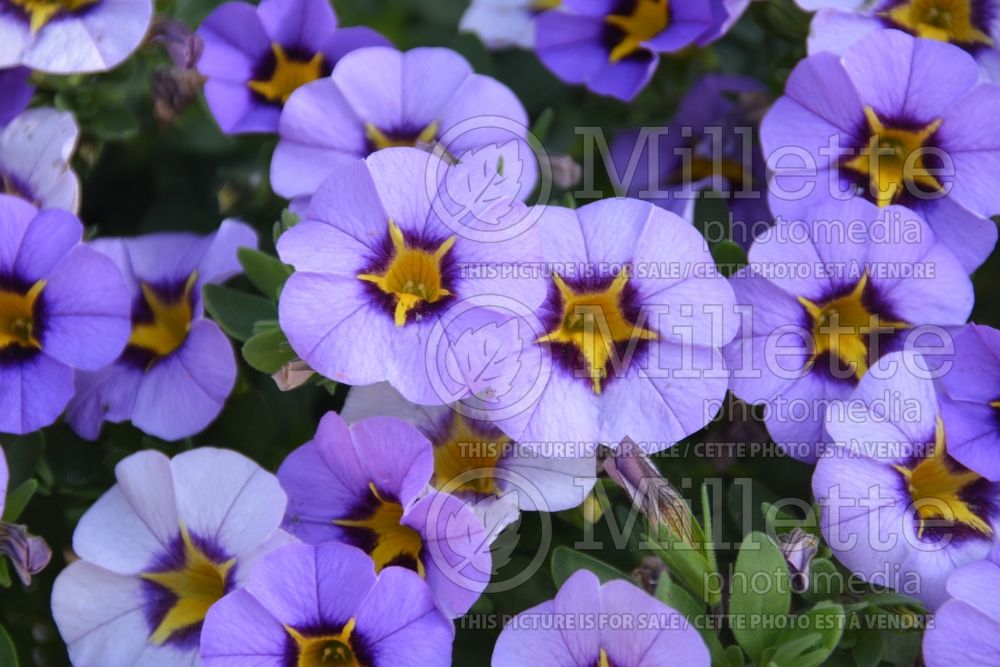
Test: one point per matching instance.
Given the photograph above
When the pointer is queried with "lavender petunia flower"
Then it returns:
(62, 306)
(502, 24)
(17, 92)
(35, 152)
(178, 368)
(28, 554)
(378, 259)
(381, 98)
(822, 300)
(645, 633)
(255, 57)
(612, 46)
(365, 485)
(309, 606)
(477, 462)
(71, 36)
(973, 25)
(895, 507)
(158, 550)
(708, 146)
(966, 629)
(895, 120)
(969, 393)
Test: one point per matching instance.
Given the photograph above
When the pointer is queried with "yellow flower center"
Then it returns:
(602, 659)
(395, 543)
(594, 323)
(381, 139)
(699, 168)
(648, 19)
(171, 320)
(943, 20)
(543, 5)
(289, 74)
(468, 454)
(936, 485)
(894, 160)
(413, 276)
(845, 328)
(326, 650)
(43, 11)
(197, 584)
(17, 317)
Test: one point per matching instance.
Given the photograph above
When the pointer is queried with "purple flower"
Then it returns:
(168, 541)
(17, 92)
(28, 554)
(612, 46)
(895, 120)
(62, 306)
(35, 152)
(71, 36)
(709, 145)
(476, 461)
(966, 629)
(895, 507)
(969, 24)
(572, 630)
(504, 23)
(347, 486)
(307, 606)
(822, 300)
(379, 258)
(256, 56)
(178, 368)
(970, 400)
(381, 98)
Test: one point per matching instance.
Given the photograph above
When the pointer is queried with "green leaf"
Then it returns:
(287, 221)
(688, 565)
(566, 561)
(867, 651)
(734, 656)
(825, 581)
(4, 573)
(8, 655)
(235, 311)
(729, 257)
(543, 124)
(266, 272)
(810, 640)
(18, 499)
(759, 594)
(268, 351)
(677, 598)
(113, 124)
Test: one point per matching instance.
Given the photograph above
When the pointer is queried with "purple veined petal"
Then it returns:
(15, 36)
(33, 393)
(500, 25)
(569, 45)
(219, 261)
(580, 594)
(375, 100)
(520, 644)
(947, 298)
(345, 40)
(46, 242)
(35, 149)
(181, 394)
(239, 630)
(432, 86)
(381, 400)
(317, 493)
(17, 215)
(237, 110)
(305, 24)
(974, 585)
(235, 43)
(835, 30)
(961, 635)
(796, 419)
(976, 155)
(969, 236)
(18, 92)
(405, 468)
(107, 394)
(972, 435)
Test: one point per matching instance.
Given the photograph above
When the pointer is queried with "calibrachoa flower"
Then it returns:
(709, 145)
(375, 265)
(28, 554)
(476, 461)
(380, 98)
(504, 23)
(822, 300)
(969, 24)
(168, 541)
(613, 46)
(895, 507)
(310, 606)
(178, 368)
(71, 36)
(17, 92)
(970, 400)
(646, 632)
(632, 328)
(35, 152)
(365, 485)
(895, 120)
(966, 629)
(62, 306)
(256, 56)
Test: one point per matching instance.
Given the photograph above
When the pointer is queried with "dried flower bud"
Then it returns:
(182, 44)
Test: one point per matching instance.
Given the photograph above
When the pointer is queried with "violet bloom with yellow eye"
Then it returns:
(255, 57)
(367, 485)
(178, 368)
(63, 306)
(162, 546)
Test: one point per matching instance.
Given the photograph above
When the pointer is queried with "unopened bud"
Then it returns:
(798, 547)
(28, 554)
(292, 375)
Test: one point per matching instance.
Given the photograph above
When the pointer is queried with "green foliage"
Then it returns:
(566, 561)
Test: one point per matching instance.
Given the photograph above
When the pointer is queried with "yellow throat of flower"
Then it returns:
(648, 19)
(936, 485)
(413, 276)
(41, 12)
(894, 160)
(382, 140)
(197, 584)
(289, 74)
(394, 542)
(326, 650)
(466, 460)
(602, 659)
(943, 20)
(17, 317)
(594, 322)
(171, 321)
(845, 328)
